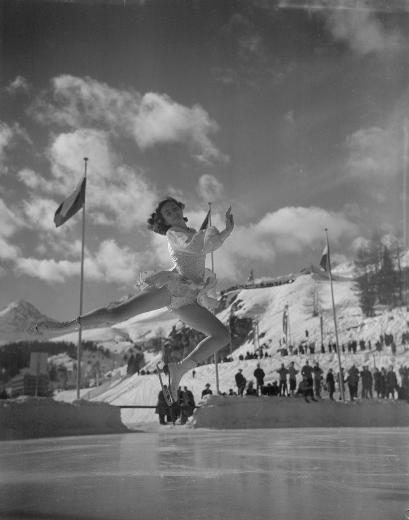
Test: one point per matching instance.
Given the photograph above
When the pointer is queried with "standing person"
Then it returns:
(367, 381)
(282, 372)
(306, 370)
(377, 376)
(317, 371)
(187, 405)
(162, 409)
(292, 378)
(240, 382)
(259, 375)
(184, 289)
(330, 383)
(391, 383)
(352, 380)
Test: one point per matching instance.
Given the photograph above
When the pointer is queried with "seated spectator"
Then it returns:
(250, 389)
(305, 389)
(206, 390)
(232, 392)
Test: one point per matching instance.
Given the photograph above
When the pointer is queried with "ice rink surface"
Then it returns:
(180, 473)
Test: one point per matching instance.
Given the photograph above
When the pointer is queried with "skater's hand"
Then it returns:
(229, 221)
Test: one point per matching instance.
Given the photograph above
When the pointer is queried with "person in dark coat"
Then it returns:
(391, 383)
(259, 375)
(352, 380)
(378, 382)
(330, 383)
(317, 371)
(282, 372)
(292, 378)
(305, 389)
(250, 389)
(206, 390)
(240, 382)
(306, 370)
(187, 405)
(162, 408)
(367, 381)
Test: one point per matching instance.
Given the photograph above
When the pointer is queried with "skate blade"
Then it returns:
(166, 392)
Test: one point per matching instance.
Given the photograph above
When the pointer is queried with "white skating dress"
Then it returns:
(189, 281)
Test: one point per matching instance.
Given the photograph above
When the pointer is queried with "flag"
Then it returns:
(285, 320)
(205, 223)
(71, 204)
(324, 262)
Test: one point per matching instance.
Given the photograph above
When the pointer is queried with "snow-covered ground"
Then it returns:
(266, 305)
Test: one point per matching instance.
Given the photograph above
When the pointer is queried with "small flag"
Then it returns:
(205, 223)
(71, 204)
(324, 262)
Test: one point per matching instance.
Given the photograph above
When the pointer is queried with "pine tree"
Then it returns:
(366, 279)
(386, 280)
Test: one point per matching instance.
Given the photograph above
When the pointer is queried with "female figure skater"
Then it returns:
(184, 289)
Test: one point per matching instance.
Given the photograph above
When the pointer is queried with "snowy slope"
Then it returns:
(266, 305)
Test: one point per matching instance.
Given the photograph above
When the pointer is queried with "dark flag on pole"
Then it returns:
(71, 204)
(205, 223)
(324, 262)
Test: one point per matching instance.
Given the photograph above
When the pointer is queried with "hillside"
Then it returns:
(266, 305)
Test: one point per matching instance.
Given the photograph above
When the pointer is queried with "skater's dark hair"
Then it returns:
(156, 222)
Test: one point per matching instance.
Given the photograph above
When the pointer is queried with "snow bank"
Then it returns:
(31, 417)
(269, 412)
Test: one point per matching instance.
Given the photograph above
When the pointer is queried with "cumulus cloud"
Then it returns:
(39, 213)
(8, 251)
(374, 153)
(32, 179)
(362, 30)
(10, 222)
(110, 263)
(6, 136)
(9, 137)
(117, 264)
(294, 228)
(357, 22)
(210, 189)
(148, 119)
(19, 84)
(48, 270)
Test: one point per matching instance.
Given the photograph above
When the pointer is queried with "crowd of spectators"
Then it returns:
(180, 411)
(310, 382)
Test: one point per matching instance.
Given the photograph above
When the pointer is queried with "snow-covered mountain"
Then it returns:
(17, 320)
(308, 298)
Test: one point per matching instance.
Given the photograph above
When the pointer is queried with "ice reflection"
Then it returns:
(185, 474)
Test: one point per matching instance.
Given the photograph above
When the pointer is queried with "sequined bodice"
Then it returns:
(188, 248)
(188, 265)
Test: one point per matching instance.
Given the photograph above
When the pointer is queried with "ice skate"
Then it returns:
(165, 388)
(175, 373)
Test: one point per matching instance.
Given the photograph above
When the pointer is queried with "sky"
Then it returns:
(292, 112)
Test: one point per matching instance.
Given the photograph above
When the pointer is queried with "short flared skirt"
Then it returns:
(183, 291)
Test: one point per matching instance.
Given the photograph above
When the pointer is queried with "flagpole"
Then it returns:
(81, 289)
(404, 203)
(216, 368)
(341, 377)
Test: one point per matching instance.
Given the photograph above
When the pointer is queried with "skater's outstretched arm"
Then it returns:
(149, 300)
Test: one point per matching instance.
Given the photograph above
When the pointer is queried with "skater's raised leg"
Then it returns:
(149, 300)
(217, 334)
